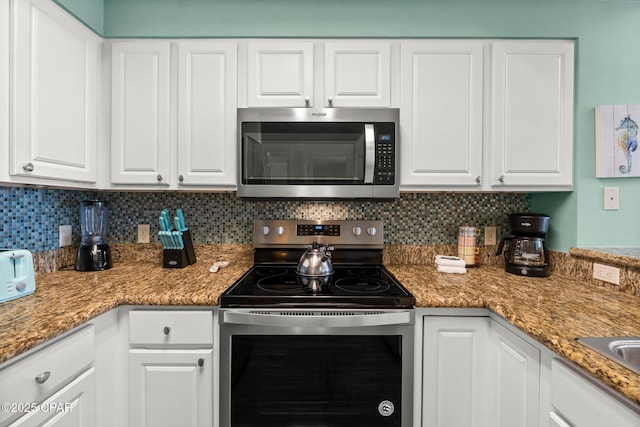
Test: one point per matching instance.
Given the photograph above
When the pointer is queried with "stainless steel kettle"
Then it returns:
(316, 261)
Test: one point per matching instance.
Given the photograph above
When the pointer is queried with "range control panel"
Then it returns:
(301, 233)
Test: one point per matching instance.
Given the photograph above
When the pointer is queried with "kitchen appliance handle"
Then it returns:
(370, 153)
(316, 319)
(500, 249)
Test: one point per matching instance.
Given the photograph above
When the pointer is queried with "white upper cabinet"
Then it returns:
(160, 86)
(140, 112)
(54, 102)
(290, 73)
(280, 74)
(487, 115)
(532, 114)
(207, 104)
(441, 113)
(357, 74)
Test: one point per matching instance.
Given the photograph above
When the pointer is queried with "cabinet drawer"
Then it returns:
(32, 379)
(170, 327)
(584, 404)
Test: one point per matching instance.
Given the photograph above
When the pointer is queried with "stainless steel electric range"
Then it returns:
(303, 351)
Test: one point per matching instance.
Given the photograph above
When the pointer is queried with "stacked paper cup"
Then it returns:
(468, 249)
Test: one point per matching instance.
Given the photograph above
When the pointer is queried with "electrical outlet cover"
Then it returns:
(143, 233)
(65, 235)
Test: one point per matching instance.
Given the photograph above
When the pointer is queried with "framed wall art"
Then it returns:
(617, 141)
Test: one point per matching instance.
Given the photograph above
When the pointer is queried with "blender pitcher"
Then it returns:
(94, 253)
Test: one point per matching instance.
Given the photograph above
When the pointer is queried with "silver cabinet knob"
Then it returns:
(330, 100)
(478, 180)
(501, 179)
(307, 102)
(28, 167)
(43, 377)
(180, 178)
(166, 330)
(201, 362)
(159, 177)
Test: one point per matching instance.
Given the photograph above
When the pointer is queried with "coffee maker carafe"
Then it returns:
(94, 253)
(526, 250)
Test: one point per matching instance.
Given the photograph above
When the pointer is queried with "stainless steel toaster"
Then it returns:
(17, 277)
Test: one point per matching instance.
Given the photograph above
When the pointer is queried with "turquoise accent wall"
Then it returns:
(90, 12)
(607, 64)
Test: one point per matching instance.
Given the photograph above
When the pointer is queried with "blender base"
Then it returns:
(93, 258)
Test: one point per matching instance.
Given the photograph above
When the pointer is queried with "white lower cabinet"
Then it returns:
(170, 388)
(170, 368)
(477, 373)
(55, 385)
(578, 402)
(455, 374)
(515, 380)
(72, 406)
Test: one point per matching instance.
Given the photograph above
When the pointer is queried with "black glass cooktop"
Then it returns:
(348, 287)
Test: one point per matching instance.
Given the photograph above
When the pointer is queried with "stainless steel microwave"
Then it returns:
(307, 153)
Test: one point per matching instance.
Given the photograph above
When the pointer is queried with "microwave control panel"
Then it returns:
(384, 172)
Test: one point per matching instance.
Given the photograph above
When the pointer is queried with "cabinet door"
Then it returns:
(532, 126)
(207, 113)
(73, 406)
(441, 114)
(54, 100)
(280, 74)
(170, 388)
(455, 372)
(357, 74)
(515, 383)
(140, 112)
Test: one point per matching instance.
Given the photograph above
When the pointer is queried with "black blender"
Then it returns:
(526, 253)
(93, 253)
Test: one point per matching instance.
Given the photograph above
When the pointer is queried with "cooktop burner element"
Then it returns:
(359, 279)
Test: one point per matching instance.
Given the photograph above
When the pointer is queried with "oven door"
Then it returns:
(316, 368)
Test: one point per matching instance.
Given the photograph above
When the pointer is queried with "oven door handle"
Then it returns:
(370, 153)
(316, 319)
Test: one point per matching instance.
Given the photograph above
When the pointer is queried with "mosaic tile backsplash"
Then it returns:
(31, 216)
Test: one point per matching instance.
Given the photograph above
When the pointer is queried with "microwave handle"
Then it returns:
(370, 153)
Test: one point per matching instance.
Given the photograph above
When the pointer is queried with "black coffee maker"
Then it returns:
(526, 250)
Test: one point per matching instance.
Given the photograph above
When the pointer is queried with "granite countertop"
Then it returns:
(553, 310)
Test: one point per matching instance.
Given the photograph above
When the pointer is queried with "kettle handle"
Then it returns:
(499, 251)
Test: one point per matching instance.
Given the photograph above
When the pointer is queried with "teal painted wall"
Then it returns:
(607, 64)
(90, 12)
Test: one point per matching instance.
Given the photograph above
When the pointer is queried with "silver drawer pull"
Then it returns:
(43, 377)
(166, 330)
(28, 167)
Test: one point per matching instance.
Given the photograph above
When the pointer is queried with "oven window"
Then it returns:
(313, 381)
(303, 153)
